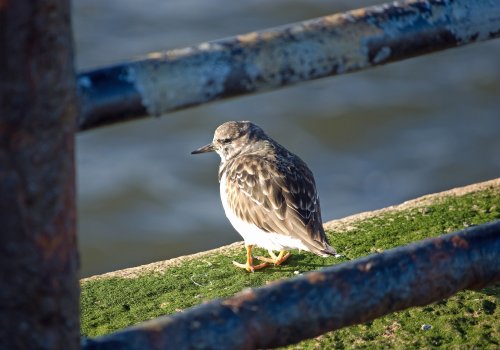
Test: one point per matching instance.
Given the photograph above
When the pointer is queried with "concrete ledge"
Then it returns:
(344, 224)
(348, 222)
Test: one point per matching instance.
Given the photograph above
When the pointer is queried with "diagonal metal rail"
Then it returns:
(335, 297)
(167, 81)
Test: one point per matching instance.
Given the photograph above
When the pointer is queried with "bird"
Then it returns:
(268, 194)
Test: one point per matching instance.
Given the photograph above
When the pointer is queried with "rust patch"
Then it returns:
(344, 288)
(53, 246)
(459, 242)
(438, 243)
(58, 241)
(236, 302)
(3, 4)
(316, 277)
(438, 257)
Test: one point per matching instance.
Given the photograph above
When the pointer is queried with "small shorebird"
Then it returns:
(268, 193)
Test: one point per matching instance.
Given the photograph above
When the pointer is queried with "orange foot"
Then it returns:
(249, 264)
(276, 260)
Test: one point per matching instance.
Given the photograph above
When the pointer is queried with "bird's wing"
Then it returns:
(277, 200)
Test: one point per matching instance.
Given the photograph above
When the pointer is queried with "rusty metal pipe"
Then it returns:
(39, 290)
(167, 81)
(335, 297)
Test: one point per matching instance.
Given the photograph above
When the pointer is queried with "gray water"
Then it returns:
(372, 139)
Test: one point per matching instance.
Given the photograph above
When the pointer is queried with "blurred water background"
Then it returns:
(372, 139)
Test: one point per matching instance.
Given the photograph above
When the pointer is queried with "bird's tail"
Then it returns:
(322, 249)
(327, 250)
(318, 244)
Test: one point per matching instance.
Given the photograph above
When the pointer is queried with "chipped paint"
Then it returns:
(85, 82)
(269, 59)
(168, 83)
(248, 38)
(260, 61)
(469, 20)
(383, 54)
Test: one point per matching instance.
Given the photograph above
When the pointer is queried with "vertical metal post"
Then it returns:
(38, 107)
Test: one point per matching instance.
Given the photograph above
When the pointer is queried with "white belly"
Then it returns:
(252, 235)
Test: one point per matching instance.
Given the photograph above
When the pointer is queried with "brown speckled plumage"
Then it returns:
(268, 186)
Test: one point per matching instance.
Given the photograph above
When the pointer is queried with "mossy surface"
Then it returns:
(469, 319)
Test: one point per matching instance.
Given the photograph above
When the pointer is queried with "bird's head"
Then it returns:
(234, 138)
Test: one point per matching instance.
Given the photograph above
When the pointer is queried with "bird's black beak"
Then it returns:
(208, 148)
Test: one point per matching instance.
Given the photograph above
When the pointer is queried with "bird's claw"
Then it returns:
(276, 260)
(250, 267)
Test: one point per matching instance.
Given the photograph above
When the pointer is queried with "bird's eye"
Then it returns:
(225, 140)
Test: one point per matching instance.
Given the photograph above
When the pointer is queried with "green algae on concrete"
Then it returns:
(470, 318)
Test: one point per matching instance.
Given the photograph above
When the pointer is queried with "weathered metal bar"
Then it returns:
(335, 297)
(341, 43)
(39, 288)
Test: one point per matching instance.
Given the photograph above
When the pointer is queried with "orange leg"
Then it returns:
(249, 266)
(276, 260)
